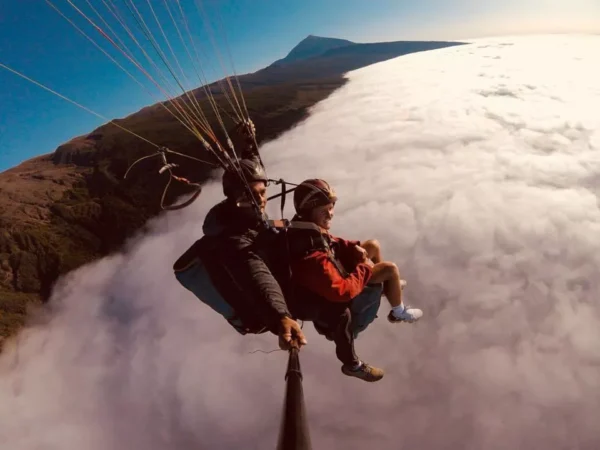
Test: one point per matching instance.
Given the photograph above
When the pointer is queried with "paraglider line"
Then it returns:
(266, 352)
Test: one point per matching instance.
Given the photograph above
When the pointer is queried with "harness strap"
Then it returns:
(285, 223)
(282, 197)
(299, 225)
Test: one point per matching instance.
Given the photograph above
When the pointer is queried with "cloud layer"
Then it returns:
(478, 169)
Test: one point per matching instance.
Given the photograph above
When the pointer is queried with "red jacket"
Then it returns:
(318, 273)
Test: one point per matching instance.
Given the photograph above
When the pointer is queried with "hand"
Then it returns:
(290, 334)
(360, 254)
(247, 129)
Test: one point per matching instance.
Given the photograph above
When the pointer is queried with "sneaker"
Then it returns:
(409, 315)
(365, 372)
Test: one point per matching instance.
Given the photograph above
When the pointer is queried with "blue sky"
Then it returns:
(36, 41)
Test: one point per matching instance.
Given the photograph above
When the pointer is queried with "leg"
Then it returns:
(388, 273)
(364, 307)
(330, 319)
(373, 249)
(339, 319)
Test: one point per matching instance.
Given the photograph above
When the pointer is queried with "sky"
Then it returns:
(478, 173)
(37, 42)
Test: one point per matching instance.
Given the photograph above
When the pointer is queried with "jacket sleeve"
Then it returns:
(319, 274)
(346, 244)
(265, 286)
(345, 251)
(253, 273)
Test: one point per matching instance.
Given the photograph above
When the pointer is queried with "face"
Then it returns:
(259, 192)
(322, 215)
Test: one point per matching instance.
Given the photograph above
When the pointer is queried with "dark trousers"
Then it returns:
(335, 318)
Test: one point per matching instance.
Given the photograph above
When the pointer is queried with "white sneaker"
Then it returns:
(409, 314)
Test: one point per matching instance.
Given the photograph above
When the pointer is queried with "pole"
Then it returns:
(293, 433)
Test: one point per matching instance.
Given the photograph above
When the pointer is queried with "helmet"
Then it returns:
(234, 185)
(311, 194)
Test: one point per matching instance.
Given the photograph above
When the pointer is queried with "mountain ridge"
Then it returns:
(311, 46)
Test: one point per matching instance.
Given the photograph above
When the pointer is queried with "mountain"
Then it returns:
(64, 209)
(338, 60)
(310, 47)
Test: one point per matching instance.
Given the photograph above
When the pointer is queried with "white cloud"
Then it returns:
(477, 168)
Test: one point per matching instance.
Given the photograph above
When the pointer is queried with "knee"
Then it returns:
(372, 244)
(391, 269)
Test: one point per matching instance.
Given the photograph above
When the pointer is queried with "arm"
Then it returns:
(346, 244)
(272, 303)
(346, 251)
(251, 271)
(265, 287)
(247, 131)
(250, 152)
(317, 273)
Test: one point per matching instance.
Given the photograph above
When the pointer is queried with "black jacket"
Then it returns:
(235, 240)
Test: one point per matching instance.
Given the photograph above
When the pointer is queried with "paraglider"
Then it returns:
(337, 269)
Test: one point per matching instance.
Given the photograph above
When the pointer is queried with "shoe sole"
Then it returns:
(362, 379)
(403, 320)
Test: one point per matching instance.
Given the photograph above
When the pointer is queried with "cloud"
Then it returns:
(477, 169)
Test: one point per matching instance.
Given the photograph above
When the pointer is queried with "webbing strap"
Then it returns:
(285, 223)
(282, 197)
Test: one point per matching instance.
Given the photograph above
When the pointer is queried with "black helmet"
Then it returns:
(234, 186)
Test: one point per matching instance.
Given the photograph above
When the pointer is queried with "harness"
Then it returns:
(305, 238)
(206, 271)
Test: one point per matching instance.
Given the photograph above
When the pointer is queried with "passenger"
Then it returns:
(340, 270)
